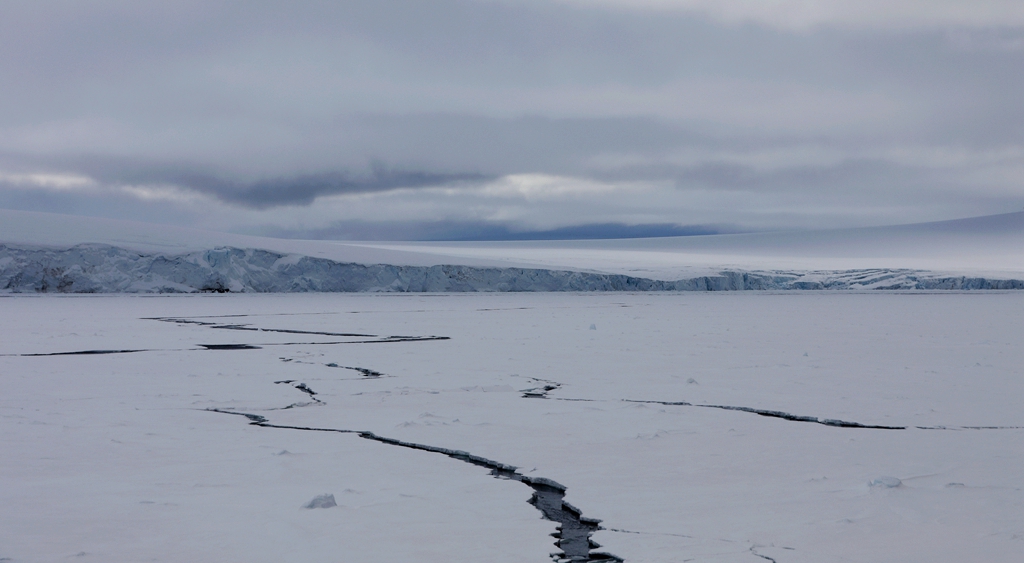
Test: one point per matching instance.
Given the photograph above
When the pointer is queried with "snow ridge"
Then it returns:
(98, 268)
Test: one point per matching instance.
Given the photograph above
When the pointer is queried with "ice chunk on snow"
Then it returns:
(321, 501)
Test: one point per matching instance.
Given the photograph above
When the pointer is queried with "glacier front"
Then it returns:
(97, 268)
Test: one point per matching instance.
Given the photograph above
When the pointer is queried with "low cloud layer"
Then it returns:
(300, 190)
(360, 119)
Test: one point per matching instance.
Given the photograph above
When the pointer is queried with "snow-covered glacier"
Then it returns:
(100, 268)
(44, 252)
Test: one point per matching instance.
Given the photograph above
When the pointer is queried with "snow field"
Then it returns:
(115, 457)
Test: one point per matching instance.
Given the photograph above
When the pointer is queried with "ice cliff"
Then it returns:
(95, 268)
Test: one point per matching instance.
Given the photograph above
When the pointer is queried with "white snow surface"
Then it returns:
(117, 457)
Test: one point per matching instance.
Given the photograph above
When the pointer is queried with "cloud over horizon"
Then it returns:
(512, 117)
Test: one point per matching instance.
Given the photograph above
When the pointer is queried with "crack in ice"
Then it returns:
(753, 550)
(181, 320)
(248, 328)
(79, 353)
(774, 414)
(541, 391)
(781, 415)
(574, 529)
(367, 373)
(305, 389)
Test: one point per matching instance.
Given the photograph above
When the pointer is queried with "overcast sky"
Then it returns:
(533, 118)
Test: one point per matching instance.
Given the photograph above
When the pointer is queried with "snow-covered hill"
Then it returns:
(55, 253)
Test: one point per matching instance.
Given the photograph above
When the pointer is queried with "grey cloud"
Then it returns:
(515, 145)
(303, 190)
(271, 103)
(111, 205)
(274, 58)
(480, 230)
(866, 174)
(230, 187)
(273, 192)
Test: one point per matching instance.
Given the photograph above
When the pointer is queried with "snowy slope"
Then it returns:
(51, 230)
(48, 252)
(990, 245)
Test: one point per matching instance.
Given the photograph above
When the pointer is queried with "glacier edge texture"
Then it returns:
(98, 268)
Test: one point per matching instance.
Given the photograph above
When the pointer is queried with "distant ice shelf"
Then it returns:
(99, 268)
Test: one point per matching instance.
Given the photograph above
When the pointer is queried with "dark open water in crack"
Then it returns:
(574, 529)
